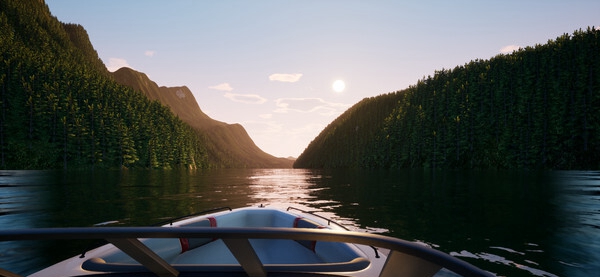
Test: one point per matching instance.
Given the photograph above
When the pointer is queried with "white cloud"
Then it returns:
(245, 98)
(150, 53)
(281, 77)
(309, 105)
(222, 87)
(116, 63)
(509, 49)
(266, 116)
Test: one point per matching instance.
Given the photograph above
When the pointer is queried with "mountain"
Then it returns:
(536, 108)
(228, 144)
(61, 109)
(180, 100)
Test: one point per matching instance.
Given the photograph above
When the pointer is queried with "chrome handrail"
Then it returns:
(114, 233)
(179, 218)
(329, 220)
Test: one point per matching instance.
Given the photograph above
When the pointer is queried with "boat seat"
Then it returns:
(251, 218)
(191, 243)
(330, 252)
(301, 222)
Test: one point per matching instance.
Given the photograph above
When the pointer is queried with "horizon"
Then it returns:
(271, 66)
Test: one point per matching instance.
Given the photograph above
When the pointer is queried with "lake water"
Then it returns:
(510, 223)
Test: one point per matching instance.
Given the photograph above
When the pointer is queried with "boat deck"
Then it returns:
(212, 253)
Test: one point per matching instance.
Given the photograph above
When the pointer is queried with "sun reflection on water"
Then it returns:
(292, 187)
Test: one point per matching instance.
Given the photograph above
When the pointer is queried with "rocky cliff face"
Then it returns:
(229, 144)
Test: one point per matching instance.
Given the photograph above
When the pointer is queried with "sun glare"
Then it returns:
(338, 86)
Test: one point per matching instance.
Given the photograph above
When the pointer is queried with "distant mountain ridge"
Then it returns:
(180, 99)
(229, 144)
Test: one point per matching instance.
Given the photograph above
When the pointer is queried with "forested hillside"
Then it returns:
(59, 108)
(538, 107)
(228, 145)
(349, 140)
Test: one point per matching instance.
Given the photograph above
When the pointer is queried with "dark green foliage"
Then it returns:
(350, 140)
(535, 108)
(79, 37)
(60, 109)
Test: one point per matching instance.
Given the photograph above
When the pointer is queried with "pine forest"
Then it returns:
(60, 109)
(537, 108)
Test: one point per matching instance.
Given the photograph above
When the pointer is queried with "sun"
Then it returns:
(338, 86)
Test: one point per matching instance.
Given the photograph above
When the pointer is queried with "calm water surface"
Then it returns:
(510, 223)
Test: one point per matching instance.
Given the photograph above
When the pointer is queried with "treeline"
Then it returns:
(538, 107)
(59, 108)
(349, 140)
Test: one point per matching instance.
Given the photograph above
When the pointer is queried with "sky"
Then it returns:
(271, 65)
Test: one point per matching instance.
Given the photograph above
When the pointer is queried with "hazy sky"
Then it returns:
(270, 65)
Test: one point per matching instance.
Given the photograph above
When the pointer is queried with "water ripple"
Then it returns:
(494, 258)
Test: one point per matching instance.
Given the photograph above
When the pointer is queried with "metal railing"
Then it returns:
(126, 239)
(329, 221)
(179, 218)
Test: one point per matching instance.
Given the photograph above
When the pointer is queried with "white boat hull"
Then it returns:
(254, 241)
